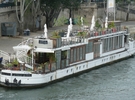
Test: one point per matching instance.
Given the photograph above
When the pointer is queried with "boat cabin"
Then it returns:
(59, 53)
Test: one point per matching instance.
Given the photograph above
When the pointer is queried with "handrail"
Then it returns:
(23, 58)
(5, 55)
(25, 42)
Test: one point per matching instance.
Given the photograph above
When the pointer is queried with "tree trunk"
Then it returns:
(70, 13)
(127, 16)
(0, 30)
(33, 26)
(35, 9)
(49, 21)
(21, 28)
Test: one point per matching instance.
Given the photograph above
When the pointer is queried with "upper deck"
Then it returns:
(75, 39)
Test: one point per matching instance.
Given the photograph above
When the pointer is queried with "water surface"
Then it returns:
(112, 82)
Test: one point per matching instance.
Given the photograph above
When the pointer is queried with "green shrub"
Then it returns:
(111, 25)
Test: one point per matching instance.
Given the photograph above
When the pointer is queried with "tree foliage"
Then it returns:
(52, 8)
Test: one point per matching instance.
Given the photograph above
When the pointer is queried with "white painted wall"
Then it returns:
(89, 56)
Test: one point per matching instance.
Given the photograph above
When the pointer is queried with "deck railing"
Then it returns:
(21, 55)
(6, 57)
(76, 39)
(72, 40)
(104, 32)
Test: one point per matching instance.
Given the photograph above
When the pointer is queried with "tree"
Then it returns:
(71, 5)
(21, 11)
(35, 9)
(52, 8)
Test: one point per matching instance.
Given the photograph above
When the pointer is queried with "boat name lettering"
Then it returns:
(43, 42)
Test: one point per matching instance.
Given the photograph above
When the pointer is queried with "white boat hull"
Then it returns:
(41, 79)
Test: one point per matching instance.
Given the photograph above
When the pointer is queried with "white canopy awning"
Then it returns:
(22, 47)
(44, 50)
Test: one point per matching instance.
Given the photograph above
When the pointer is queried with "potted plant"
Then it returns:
(8, 65)
(56, 39)
(55, 35)
(52, 59)
(97, 25)
(82, 34)
(112, 26)
(103, 31)
(15, 63)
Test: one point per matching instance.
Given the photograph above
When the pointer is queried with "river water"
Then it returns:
(112, 82)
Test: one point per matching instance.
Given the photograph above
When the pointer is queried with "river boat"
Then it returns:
(42, 60)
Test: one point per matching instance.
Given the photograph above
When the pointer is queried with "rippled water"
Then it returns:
(112, 82)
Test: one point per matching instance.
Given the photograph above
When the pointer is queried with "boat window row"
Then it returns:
(112, 43)
(8, 74)
(15, 74)
(22, 75)
(77, 54)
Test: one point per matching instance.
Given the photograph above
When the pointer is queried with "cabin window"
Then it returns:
(113, 43)
(117, 42)
(81, 55)
(89, 47)
(53, 66)
(47, 67)
(71, 57)
(58, 57)
(64, 57)
(103, 45)
(63, 63)
(77, 54)
(41, 58)
(74, 54)
(120, 41)
(84, 52)
(108, 44)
